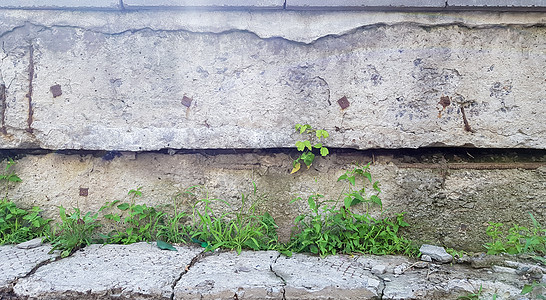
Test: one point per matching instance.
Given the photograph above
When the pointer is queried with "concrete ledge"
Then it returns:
(363, 4)
(203, 4)
(388, 5)
(61, 4)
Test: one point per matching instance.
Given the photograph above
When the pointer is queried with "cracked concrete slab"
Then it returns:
(226, 275)
(16, 263)
(138, 271)
(333, 277)
(142, 271)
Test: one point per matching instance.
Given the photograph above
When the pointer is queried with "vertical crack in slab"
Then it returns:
(279, 276)
(194, 260)
(29, 94)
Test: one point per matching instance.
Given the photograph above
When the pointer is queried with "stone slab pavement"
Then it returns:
(143, 271)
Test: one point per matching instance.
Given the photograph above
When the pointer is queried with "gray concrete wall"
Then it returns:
(448, 199)
(148, 80)
(133, 77)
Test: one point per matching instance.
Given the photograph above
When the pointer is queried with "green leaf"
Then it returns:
(317, 145)
(165, 246)
(308, 158)
(376, 200)
(348, 201)
(324, 151)
(527, 289)
(300, 145)
(312, 203)
(14, 178)
(308, 145)
(124, 206)
(351, 180)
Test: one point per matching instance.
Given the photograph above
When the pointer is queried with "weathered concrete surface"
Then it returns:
(448, 207)
(227, 275)
(16, 263)
(74, 82)
(137, 271)
(333, 277)
(141, 271)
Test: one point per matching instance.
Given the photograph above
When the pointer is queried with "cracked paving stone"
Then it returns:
(333, 277)
(137, 271)
(226, 275)
(16, 263)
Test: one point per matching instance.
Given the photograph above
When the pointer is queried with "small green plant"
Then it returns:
(232, 230)
(306, 146)
(330, 229)
(535, 288)
(140, 222)
(74, 232)
(456, 253)
(357, 196)
(173, 229)
(9, 176)
(18, 225)
(519, 239)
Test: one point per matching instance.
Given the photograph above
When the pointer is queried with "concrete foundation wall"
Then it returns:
(448, 201)
(131, 77)
(137, 81)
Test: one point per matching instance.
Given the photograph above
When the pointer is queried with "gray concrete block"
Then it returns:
(389, 4)
(16, 263)
(30, 244)
(496, 3)
(60, 4)
(249, 94)
(438, 254)
(333, 277)
(227, 275)
(138, 4)
(134, 271)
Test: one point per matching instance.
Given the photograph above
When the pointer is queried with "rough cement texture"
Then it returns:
(364, 3)
(75, 82)
(16, 263)
(227, 275)
(141, 271)
(137, 271)
(333, 277)
(138, 4)
(447, 207)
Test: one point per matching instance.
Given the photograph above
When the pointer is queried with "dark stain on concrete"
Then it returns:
(56, 90)
(84, 192)
(466, 124)
(343, 102)
(29, 94)
(3, 89)
(186, 101)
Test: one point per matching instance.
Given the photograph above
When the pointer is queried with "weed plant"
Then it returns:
(74, 232)
(519, 239)
(330, 229)
(306, 146)
(18, 225)
(242, 229)
(140, 222)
